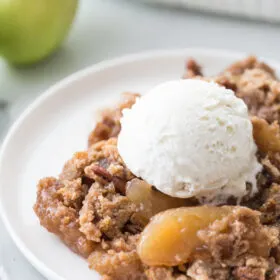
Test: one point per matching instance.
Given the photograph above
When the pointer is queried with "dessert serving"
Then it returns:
(180, 183)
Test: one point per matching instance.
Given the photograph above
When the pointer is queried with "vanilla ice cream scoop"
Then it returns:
(191, 138)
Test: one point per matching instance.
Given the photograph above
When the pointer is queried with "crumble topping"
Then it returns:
(87, 206)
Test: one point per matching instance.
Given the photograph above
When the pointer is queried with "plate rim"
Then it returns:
(48, 93)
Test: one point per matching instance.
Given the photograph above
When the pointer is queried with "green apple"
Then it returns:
(30, 30)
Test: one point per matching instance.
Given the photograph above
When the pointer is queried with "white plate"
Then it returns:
(57, 124)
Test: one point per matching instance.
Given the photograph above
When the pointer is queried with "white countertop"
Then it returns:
(110, 28)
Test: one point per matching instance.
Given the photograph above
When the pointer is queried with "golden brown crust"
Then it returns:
(249, 63)
(109, 124)
(253, 81)
(58, 217)
(193, 69)
(118, 259)
(238, 235)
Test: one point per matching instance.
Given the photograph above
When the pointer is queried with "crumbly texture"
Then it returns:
(109, 123)
(87, 206)
(253, 81)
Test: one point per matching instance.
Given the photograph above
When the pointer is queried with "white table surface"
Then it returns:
(109, 28)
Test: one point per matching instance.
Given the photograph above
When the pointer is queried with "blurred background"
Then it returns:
(36, 53)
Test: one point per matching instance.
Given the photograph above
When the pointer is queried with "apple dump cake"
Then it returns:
(182, 183)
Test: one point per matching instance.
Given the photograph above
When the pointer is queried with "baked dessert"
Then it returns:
(128, 229)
